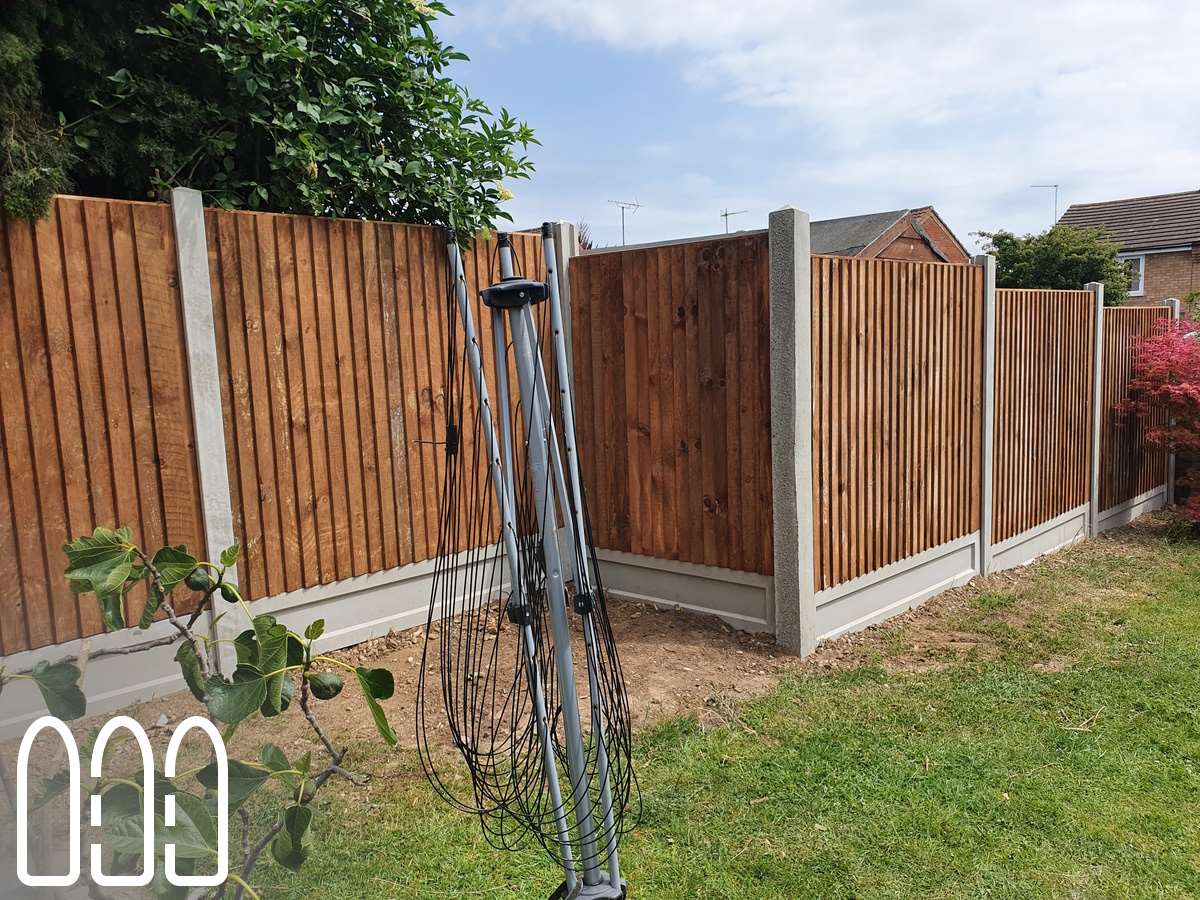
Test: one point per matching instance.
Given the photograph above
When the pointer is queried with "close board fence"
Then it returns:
(921, 408)
(936, 405)
(95, 410)
(1128, 469)
(896, 362)
(671, 358)
(331, 336)
(1043, 407)
(330, 343)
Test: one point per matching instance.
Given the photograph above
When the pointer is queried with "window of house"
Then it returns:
(1137, 274)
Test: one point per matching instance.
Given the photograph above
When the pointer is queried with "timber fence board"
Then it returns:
(1128, 468)
(1043, 407)
(332, 337)
(896, 410)
(671, 348)
(95, 412)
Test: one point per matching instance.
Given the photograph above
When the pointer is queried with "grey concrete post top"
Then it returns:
(988, 262)
(1096, 287)
(785, 216)
(568, 239)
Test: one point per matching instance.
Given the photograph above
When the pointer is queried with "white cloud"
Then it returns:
(965, 102)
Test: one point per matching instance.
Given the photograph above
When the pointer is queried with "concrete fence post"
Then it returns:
(1097, 289)
(987, 441)
(791, 429)
(204, 378)
(1170, 499)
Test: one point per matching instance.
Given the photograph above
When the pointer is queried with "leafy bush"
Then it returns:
(1061, 258)
(277, 671)
(327, 107)
(1166, 378)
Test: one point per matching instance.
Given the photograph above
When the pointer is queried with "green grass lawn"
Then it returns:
(1058, 758)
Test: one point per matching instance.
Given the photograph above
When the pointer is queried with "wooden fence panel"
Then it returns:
(95, 417)
(1043, 401)
(1128, 468)
(331, 337)
(897, 392)
(671, 348)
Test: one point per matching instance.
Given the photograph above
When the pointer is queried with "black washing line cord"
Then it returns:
(483, 694)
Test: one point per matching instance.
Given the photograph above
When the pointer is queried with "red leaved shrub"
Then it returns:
(1166, 376)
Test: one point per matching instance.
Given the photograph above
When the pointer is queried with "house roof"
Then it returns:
(1142, 223)
(848, 235)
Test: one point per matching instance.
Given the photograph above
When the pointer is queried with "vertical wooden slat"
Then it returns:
(30, 512)
(316, 522)
(114, 379)
(376, 329)
(235, 391)
(277, 408)
(68, 421)
(299, 466)
(677, 303)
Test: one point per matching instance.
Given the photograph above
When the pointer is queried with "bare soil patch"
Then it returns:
(678, 663)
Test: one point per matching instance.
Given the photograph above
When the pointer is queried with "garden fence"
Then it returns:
(800, 444)
(943, 428)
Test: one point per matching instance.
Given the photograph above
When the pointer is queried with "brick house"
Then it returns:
(1159, 236)
(916, 234)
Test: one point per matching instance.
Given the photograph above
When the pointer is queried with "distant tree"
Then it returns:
(1063, 257)
(328, 107)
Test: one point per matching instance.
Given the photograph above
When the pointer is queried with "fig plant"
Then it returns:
(278, 671)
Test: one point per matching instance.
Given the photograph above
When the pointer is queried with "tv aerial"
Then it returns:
(631, 205)
(726, 213)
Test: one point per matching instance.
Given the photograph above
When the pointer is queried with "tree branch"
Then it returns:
(165, 606)
(113, 651)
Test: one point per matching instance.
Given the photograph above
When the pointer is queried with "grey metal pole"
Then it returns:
(583, 574)
(537, 432)
(1097, 289)
(556, 466)
(504, 409)
(565, 398)
(509, 538)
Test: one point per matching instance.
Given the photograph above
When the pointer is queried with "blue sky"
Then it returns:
(692, 106)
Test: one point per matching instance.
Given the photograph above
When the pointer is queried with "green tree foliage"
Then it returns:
(34, 157)
(327, 107)
(1062, 258)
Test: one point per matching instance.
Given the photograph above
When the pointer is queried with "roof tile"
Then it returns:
(1142, 223)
